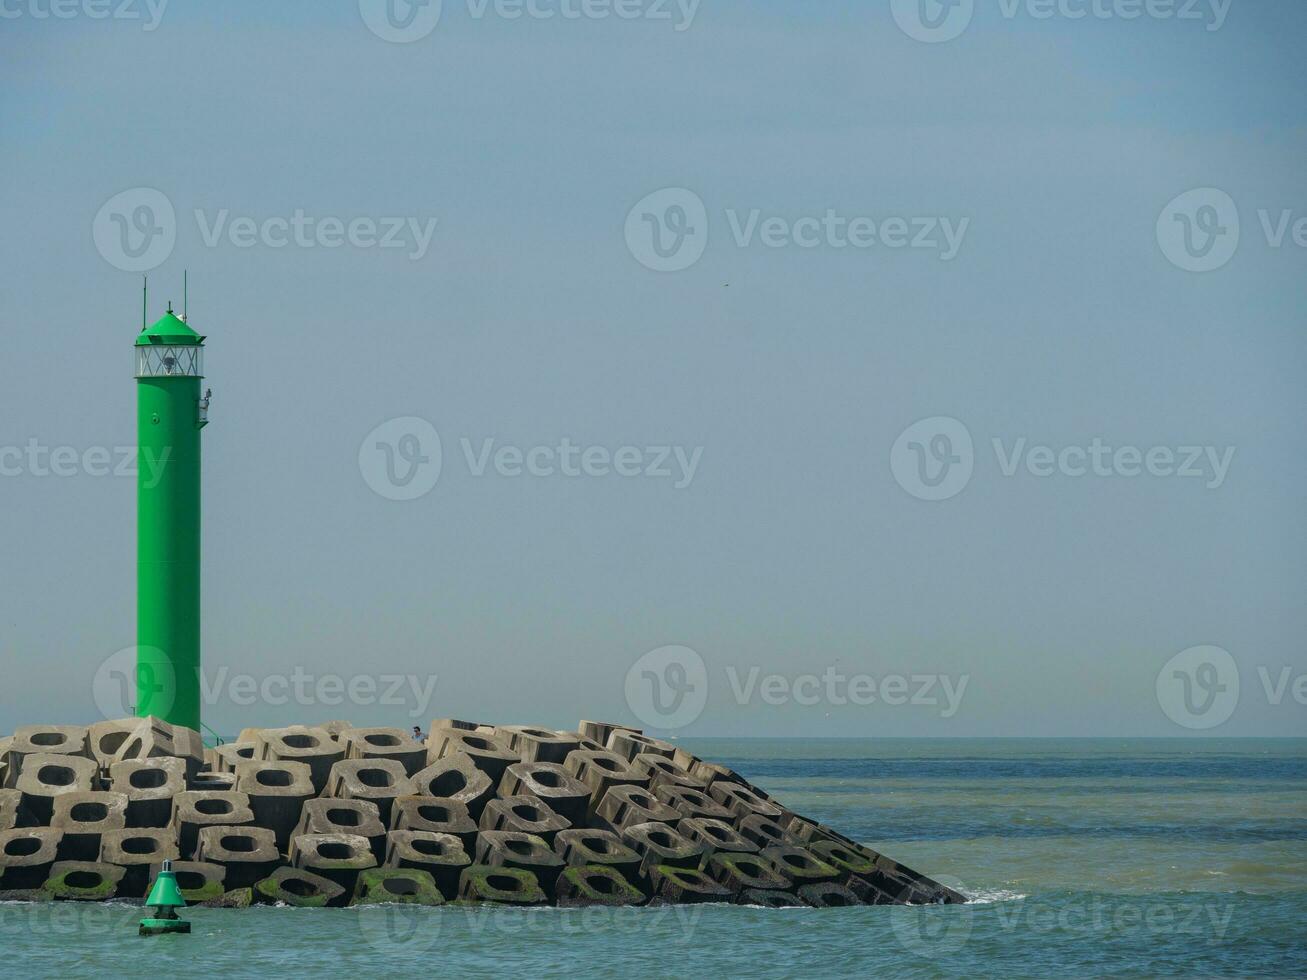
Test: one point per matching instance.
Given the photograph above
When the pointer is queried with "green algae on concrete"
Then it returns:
(302, 889)
(502, 886)
(399, 886)
(596, 884)
(83, 881)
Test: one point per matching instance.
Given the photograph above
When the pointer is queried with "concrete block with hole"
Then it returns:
(42, 740)
(743, 801)
(397, 886)
(764, 832)
(26, 856)
(738, 871)
(314, 747)
(628, 744)
(601, 731)
(277, 791)
(247, 853)
(716, 835)
(523, 815)
(487, 752)
(377, 780)
(624, 806)
(553, 784)
(193, 810)
(691, 802)
(589, 847)
(657, 770)
(456, 778)
(199, 881)
(226, 757)
(154, 738)
(300, 889)
(459, 724)
(443, 856)
(435, 815)
(105, 738)
(236, 898)
(46, 777)
(686, 885)
(150, 785)
(338, 857)
(136, 848)
(583, 886)
(83, 818)
(711, 772)
(84, 881)
(500, 885)
(538, 744)
(600, 771)
(527, 852)
(660, 843)
(385, 743)
(331, 816)
(798, 864)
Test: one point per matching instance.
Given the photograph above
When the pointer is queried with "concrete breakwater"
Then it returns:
(334, 815)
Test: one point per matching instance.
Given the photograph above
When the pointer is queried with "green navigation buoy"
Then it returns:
(165, 898)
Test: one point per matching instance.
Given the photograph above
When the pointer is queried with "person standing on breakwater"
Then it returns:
(417, 733)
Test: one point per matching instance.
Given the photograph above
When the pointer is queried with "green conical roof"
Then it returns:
(166, 893)
(170, 329)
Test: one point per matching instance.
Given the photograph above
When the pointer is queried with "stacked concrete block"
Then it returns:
(524, 815)
(314, 747)
(397, 886)
(500, 885)
(456, 778)
(136, 849)
(435, 815)
(26, 857)
(486, 751)
(596, 884)
(299, 888)
(361, 818)
(44, 777)
(442, 856)
(385, 743)
(377, 780)
(334, 814)
(277, 791)
(336, 857)
(149, 785)
(83, 818)
(564, 793)
(193, 810)
(539, 744)
(587, 848)
(83, 881)
(624, 806)
(248, 854)
(526, 852)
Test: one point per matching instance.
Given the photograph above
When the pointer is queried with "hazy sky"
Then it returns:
(1033, 161)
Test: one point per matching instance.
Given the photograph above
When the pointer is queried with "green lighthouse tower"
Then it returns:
(170, 415)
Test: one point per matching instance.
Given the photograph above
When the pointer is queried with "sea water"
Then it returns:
(1082, 857)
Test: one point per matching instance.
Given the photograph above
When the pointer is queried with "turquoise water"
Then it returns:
(1084, 857)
